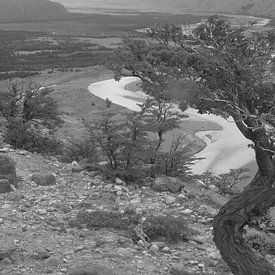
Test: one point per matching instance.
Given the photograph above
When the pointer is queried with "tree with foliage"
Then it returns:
(27, 101)
(31, 116)
(228, 71)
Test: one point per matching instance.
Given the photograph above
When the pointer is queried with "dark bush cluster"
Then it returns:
(20, 136)
(8, 169)
(105, 219)
(169, 228)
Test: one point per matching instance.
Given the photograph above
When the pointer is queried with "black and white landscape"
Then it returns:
(137, 137)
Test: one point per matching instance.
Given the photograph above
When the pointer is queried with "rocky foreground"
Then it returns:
(39, 234)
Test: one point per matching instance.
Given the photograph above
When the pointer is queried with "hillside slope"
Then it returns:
(30, 10)
(252, 7)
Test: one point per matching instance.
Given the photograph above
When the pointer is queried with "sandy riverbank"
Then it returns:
(226, 147)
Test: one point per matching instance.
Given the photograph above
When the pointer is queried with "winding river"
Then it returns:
(226, 149)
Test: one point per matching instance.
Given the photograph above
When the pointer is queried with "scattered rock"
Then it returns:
(77, 169)
(40, 254)
(5, 186)
(165, 249)
(41, 211)
(44, 179)
(164, 184)
(170, 199)
(53, 261)
(209, 210)
(4, 150)
(119, 181)
(214, 199)
(187, 211)
(126, 252)
(6, 248)
(215, 255)
(179, 269)
(91, 269)
(154, 248)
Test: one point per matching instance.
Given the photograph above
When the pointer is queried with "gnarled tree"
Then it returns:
(227, 74)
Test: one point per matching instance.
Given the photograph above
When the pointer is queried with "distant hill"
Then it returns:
(250, 7)
(31, 10)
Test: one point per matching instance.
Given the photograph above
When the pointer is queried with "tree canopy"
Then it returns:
(224, 70)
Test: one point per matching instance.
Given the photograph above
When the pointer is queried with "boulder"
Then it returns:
(44, 179)
(4, 186)
(6, 248)
(179, 269)
(164, 184)
(90, 269)
(214, 199)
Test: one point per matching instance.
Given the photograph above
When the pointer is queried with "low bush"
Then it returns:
(80, 151)
(105, 219)
(224, 182)
(170, 228)
(8, 169)
(21, 136)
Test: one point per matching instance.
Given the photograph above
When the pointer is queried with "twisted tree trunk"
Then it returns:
(254, 201)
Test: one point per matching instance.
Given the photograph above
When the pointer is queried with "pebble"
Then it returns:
(166, 249)
(41, 211)
(187, 211)
(170, 199)
(154, 248)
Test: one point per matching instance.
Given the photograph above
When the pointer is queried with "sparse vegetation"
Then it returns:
(8, 169)
(167, 228)
(225, 182)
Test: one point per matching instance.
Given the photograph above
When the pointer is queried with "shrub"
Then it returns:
(80, 150)
(224, 182)
(8, 169)
(171, 228)
(105, 219)
(176, 161)
(21, 136)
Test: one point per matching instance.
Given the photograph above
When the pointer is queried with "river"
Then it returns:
(226, 149)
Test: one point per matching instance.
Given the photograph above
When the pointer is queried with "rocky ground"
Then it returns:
(37, 237)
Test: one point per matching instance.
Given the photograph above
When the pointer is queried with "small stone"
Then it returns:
(79, 248)
(1, 220)
(125, 241)
(117, 188)
(41, 211)
(119, 193)
(166, 249)
(215, 255)
(201, 265)
(53, 261)
(4, 150)
(141, 243)
(119, 181)
(154, 248)
(44, 179)
(170, 199)
(160, 245)
(177, 269)
(126, 252)
(187, 211)
(40, 254)
(77, 169)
